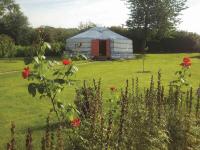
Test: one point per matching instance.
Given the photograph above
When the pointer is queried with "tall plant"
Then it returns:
(48, 79)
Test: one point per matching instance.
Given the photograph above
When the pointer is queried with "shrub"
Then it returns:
(178, 42)
(22, 51)
(57, 49)
(7, 46)
(130, 118)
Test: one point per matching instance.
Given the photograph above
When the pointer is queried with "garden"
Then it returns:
(56, 98)
(68, 104)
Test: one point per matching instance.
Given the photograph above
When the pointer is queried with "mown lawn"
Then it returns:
(18, 106)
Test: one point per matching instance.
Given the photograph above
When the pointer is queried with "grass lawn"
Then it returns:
(18, 106)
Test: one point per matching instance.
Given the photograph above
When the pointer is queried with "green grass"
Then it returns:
(18, 106)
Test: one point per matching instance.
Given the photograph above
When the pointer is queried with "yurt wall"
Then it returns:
(121, 49)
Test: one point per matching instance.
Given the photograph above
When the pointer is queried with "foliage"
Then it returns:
(54, 35)
(22, 51)
(12, 21)
(50, 87)
(8, 6)
(157, 17)
(134, 119)
(85, 26)
(7, 46)
(182, 75)
(57, 49)
(28, 111)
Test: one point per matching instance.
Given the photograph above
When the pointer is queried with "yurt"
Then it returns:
(100, 43)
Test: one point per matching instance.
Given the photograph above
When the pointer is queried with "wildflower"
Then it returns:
(76, 122)
(113, 89)
(186, 62)
(66, 62)
(26, 72)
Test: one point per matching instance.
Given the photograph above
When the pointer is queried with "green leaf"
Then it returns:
(60, 81)
(72, 70)
(41, 88)
(32, 89)
(60, 105)
(47, 45)
(56, 72)
(83, 57)
(36, 59)
(28, 60)
(43, 57)
(182, 80)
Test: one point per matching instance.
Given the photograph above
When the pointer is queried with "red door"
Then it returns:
(95, 48)
(108, 49)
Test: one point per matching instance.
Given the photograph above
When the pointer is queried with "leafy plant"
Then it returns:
(49, 86)
(182, 75)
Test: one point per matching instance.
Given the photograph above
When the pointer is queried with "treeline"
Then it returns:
(175, 42)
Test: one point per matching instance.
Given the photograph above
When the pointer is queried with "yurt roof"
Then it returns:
(98, 33)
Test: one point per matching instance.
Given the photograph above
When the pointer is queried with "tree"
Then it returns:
(85, 26)
(154, 17)
(7, 46)
(157, 17)
(8, 6)
(12, 21)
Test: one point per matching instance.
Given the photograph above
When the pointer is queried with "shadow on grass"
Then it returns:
(52, 127)
(139, 56)
(9, 61)
(143, 72)
(197, 57)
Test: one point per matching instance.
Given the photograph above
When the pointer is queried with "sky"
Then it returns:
(70, 13)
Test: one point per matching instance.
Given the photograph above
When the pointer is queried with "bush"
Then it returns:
(57, 49)
(129, 119)
(7, 46)
(178, 42)
(29, 51)
(22, 51)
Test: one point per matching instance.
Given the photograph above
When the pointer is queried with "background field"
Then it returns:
(18, 106)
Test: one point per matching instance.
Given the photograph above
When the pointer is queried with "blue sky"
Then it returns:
(69, 13)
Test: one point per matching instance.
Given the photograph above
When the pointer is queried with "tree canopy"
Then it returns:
(157, 17)
(12, 21)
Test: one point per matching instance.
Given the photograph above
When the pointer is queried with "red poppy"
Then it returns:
(186, 62)
(66, 62)
(113, 89)
(76, 122)
(25, 72)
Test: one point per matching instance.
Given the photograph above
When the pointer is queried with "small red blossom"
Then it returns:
(186, 62)
(66, 62)
(113, 89)
(76, 122)
(26, 73)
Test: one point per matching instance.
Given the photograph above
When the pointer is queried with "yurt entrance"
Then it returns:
(100, 49)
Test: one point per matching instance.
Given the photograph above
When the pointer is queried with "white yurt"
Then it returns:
(100, 43)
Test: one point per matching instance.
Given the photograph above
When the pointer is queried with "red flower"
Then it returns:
(25, 72)
(76, 122)
(113, 89)
(66, 62)
(186, 62)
